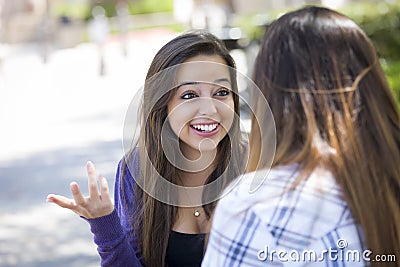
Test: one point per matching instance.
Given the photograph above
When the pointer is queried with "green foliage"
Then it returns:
(381, 22)
(150, 6)
(139, 6)
(74, 10)
(254, 25)
(379, 19)
(81, 10)
(392, 71)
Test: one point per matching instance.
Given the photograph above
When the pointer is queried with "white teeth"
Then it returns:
(206, 128)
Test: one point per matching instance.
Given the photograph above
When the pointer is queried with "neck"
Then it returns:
(197, 162)
(196, 154)
(193, 179)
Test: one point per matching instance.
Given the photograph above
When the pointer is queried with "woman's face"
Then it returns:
(201, 110)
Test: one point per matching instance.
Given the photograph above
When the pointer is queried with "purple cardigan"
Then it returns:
(112, 233)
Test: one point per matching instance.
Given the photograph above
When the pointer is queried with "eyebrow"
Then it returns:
(219, 80)
(186, 83)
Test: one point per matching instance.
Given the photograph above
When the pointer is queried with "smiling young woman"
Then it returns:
(201, 112)
(191, 116)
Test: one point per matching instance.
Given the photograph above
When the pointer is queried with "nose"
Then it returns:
(207, 106)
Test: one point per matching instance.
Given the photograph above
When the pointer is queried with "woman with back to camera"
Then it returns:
(190, 99)
(332, 194)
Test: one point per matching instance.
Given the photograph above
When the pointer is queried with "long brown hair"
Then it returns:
(333, 107)
(153, 219)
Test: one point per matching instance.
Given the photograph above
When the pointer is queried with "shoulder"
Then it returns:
(125, 181)
(254, 186)
(314, 206)
(240, 198)
(128, 168)
(125, 188)
(263, 208)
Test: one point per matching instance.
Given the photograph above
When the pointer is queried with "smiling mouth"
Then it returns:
(205, 128)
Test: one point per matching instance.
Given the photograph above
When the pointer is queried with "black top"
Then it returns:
(185, 250)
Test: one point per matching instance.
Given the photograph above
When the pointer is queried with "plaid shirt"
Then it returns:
(274, 226)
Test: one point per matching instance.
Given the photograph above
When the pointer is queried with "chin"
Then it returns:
(208, 149)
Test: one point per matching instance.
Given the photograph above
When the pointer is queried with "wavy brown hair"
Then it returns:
(153, 220)
(333, 108)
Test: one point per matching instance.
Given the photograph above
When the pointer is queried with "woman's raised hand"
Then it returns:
(95, 205)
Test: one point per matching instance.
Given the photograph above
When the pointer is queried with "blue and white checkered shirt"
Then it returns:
(310, 225)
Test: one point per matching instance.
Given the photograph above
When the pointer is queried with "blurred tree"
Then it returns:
(134, 6)
(381, 21)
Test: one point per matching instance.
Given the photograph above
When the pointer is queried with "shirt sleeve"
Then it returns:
(113, 236)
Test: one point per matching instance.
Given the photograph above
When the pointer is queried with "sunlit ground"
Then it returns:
(42, 105)
(54, 117)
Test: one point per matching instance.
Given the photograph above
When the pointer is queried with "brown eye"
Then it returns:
(222, 92)
(188, 95)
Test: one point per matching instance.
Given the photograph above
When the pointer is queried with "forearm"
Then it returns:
(112, 242)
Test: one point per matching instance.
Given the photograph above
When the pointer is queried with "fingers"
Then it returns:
(96, 205)
(104, 191)
(62, 201)
(76, 194)
(67, 203)
(92, 182)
